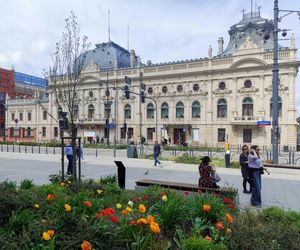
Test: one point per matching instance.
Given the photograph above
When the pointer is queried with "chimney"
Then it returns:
(132, 58)
(220, 45)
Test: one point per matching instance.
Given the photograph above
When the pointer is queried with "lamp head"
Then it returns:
(267, 36)
(284, 33)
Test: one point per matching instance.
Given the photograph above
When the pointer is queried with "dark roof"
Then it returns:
(254, 26)
(107, 56)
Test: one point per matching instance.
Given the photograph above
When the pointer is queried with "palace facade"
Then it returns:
(207, 101)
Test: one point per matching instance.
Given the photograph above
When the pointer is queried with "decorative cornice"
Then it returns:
(281, 88)
(219, 92)
(90, 99)
(250, 90)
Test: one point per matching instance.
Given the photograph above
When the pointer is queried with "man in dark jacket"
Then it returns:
(156, 153)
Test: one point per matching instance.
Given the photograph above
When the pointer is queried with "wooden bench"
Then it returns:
(186, 187)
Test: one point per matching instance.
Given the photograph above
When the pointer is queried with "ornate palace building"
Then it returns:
(206, 101)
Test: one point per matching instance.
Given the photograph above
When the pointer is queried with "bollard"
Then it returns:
(32, 149)
(39, 149)
(54, 150)
(19, 148)
(13, 148)
(1, 147)
(7, 148)
(96, 152)
(121, 174)
(227, 158)
(46, 150)
(26, 149)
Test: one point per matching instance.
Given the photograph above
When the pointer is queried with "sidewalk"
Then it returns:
(281, 188)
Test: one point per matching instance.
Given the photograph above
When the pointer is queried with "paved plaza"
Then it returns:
(280, 188)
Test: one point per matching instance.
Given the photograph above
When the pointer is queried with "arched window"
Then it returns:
(222, 108)
(165, 110)
(247, 106)
(91, 111)
(196, 109)
(150, 111)
(279, 107)
(179, 110)
(76, 112)
(127, 111)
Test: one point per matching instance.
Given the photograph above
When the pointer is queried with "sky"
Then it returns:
(159, 30)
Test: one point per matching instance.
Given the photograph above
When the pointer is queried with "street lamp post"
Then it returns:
(275, 81)
(275, 131)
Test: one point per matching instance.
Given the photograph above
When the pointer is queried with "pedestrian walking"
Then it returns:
(156, 153)
(68, 151)
(245, 169)
(255, 170)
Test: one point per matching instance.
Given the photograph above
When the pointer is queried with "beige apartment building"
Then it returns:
(206, 101)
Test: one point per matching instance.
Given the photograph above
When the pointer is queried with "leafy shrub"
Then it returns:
(26, 184)
(253, 230)
(173, 212)
(185, 158)
(195, 243)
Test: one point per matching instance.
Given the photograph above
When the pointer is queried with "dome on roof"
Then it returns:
(251, 29)
(106, 56)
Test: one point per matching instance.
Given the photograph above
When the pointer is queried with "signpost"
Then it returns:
(263, 123)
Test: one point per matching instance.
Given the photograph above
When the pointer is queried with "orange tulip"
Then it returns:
(86, 245)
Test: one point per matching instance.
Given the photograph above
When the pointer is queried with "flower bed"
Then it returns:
(99, 215)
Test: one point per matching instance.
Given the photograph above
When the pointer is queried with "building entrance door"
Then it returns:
(179, 136)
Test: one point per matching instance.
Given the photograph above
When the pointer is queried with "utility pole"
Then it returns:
(107, 107)
(140, 105)
(275, 81)
(275, 132)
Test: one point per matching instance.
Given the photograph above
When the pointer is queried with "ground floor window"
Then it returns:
(221, 134)
(55, 131)
(130, 133)
(195, 134)
(123, 133)
(28, 131)
(44, 131)
(247, 135)
(149, 133)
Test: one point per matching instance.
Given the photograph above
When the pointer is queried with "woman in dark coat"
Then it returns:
(245, 169)
(205, 171)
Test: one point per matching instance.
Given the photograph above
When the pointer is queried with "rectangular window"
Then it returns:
(195, 134)
(150, 133)
(29, 116)
(28, 131)
(44, 131)
(247, 135)
(12, 116)
(21, 116)
(221, 134)
(123, 133)
(130, 133)
(44, 115)
(55, 131)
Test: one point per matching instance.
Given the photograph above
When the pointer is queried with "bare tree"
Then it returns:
(64, 76)
(68, 61)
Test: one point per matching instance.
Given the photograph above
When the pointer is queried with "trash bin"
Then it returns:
(132, 152)
(285, 148)
(227, 158)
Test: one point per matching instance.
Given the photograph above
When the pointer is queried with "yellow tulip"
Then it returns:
(130, 203)
(99, 191)
(62, 184)
(154, 228)
(36, 205)
(142, 208)
(68, 208)
(142, 221)
(118, 205)
(46, 236)
(128, 209)
(164, 198)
